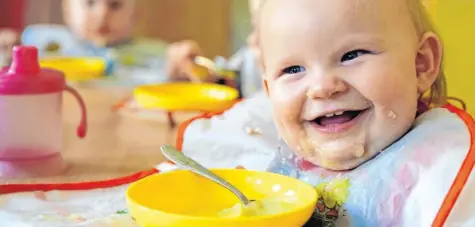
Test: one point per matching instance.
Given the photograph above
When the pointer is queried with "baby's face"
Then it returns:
(100, 21)
(341, 76)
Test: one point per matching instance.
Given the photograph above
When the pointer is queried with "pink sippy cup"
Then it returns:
(30, 117)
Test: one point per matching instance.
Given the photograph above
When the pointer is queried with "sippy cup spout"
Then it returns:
(25, 76)
(25, 60)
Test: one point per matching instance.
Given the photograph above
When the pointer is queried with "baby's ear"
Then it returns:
(428, 61)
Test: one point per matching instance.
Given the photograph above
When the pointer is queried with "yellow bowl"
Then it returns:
(184, 199)
(186, 96)
(75, 68)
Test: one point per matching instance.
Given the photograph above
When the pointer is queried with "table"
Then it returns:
(115, 145)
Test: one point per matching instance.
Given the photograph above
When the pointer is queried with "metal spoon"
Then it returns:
(186, 162)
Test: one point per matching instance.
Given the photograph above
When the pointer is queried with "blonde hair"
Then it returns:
(437, 95)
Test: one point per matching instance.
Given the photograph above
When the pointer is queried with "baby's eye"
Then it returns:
(293, 69)
(91, 3)
(353, 54)
(115, 4)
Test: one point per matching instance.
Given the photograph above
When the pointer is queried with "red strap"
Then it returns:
(463, 174)
(13, 188)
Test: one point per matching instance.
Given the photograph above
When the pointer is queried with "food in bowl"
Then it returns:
(262, 207)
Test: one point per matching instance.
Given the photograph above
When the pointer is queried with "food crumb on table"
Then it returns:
(253, 131)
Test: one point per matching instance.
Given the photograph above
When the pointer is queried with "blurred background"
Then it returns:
(455, 20)
(220, 26)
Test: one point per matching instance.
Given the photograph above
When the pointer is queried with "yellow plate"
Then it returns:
(183, 199)
(186, 96)
(76, 69)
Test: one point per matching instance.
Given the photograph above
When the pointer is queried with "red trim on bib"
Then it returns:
(464, 171)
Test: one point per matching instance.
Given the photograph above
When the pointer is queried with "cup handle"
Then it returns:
(82, 128)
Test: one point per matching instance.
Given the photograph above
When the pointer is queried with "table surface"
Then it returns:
(116, 145)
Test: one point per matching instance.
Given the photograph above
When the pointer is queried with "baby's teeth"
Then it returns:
(333, 114)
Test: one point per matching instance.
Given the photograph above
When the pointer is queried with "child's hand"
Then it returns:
(8, 39)
(180, 57)
(181, 65)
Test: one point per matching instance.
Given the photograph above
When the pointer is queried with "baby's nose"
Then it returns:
(326, 86)
(101, 10)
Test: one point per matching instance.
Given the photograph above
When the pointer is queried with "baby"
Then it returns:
(350, 83)
(245, 60)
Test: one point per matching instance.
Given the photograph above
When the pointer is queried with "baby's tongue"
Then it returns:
(337, 119)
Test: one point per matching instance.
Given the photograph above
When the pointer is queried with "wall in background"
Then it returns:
(42, 11)
(207, 22)
(11, 14)
(240, 24)
(455, 20)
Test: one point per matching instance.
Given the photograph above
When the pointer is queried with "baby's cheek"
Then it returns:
(287, 112)
(288, 129)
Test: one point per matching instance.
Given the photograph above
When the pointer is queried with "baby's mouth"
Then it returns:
(103, 29)
(338, 121)
(337, 118)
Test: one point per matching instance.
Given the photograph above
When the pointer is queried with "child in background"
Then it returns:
(347, 102)
(245, 60)
(102, 28)
(8, 38)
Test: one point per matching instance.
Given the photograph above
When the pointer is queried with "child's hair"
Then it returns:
(423, 24)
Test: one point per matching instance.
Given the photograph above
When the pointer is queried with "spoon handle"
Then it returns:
(186, 162)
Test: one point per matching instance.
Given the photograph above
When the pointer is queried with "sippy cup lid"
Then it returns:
(25, 77)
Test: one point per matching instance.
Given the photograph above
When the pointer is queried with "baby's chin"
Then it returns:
(335, 161)
(337, 165)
